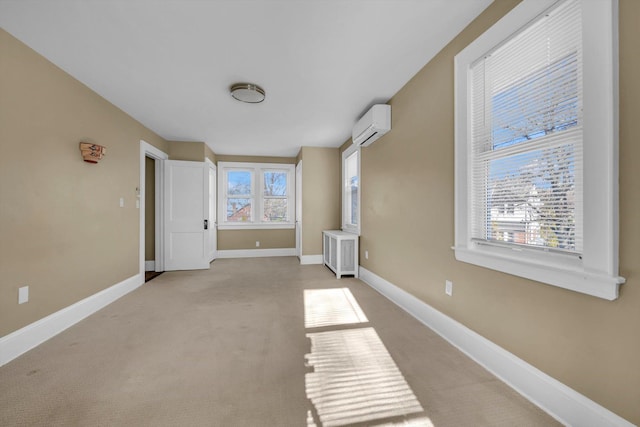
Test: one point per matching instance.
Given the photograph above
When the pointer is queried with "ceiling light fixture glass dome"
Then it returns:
(247, 92)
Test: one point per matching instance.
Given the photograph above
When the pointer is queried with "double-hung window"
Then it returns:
(351, 189)
(275, 195)
(536, 146)
(256, 195)
(240, 195)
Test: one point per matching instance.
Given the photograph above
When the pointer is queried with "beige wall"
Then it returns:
(589, 344)
(62, 231)
(150, 210)
(188, 150)
(246, 239)
(321, 173)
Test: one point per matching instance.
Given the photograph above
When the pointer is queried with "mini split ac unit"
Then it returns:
(375, 123)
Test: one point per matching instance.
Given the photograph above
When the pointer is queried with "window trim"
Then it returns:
(596, 272)
(257, 170)
(346, 226)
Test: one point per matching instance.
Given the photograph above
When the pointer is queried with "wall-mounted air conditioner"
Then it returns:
(375, 123)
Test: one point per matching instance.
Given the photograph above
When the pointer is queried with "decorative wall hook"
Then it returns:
(92, 153)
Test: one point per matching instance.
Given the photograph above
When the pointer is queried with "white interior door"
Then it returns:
(213, 222)
(299, 209)
(186, 241)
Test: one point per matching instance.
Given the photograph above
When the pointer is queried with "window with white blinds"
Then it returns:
(527, 135)
(536, 146)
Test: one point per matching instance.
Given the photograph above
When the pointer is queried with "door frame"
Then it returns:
(213, 216)
(159, 156)
(298, 210)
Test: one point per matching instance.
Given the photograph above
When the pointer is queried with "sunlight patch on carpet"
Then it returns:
(355, 379)
(329, 307)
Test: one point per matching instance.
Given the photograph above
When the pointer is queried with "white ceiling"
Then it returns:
(169, 63)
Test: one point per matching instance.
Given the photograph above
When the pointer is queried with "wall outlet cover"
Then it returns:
(23, 294)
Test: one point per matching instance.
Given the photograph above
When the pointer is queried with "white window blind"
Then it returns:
(526, 136)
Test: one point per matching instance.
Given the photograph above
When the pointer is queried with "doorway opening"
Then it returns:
(151, 203)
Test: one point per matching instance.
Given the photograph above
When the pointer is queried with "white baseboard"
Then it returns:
(311, 259)
(24, 339)
(256, 253)
(149, 266)
(561, 402)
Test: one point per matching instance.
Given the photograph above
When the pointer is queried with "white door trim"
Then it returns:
(299, 210)
(148, 150)
(213, 214)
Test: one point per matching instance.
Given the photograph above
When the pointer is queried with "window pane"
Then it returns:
(275, 183)
(275, 210)
(238, 210)
(544, 102)
(531, 198)
(351, 189)
(239, 182)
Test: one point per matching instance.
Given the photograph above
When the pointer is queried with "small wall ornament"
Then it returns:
(92, 153)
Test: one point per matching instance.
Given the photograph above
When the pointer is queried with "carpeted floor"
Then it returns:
(235, 346)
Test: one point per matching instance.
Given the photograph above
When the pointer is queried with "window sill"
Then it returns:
(251, 226)
(573, 278)
(352, 230)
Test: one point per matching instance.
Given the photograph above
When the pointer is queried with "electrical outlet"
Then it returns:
(23, 295)
(448, 287)
(122, 202)
(257, 243)
(366, 254)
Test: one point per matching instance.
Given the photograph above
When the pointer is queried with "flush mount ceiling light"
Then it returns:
(247, 92)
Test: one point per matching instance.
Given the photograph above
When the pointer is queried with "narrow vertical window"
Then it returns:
(351, 190)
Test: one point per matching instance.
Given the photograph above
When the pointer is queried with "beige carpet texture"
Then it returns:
(254, 342)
